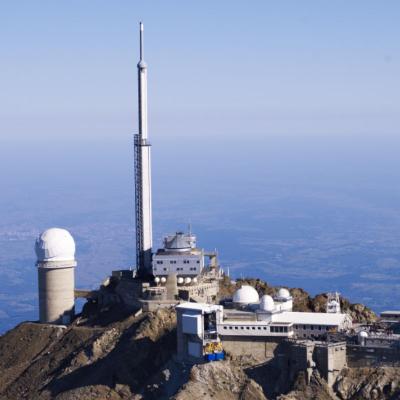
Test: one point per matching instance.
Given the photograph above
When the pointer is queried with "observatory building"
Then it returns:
(249, 319)
(180, 256)
(55, 251)
(178, 271)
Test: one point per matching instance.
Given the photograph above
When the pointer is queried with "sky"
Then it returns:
(215, 68)
(274, 125)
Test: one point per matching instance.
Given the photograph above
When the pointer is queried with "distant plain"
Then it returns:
(317, 212)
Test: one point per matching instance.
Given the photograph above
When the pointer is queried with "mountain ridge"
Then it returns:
(112, 353)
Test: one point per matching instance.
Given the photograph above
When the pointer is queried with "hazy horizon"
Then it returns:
(275, 133)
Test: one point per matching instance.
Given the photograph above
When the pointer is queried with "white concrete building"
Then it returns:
(180, 256)
(252, 319)
(197, 329)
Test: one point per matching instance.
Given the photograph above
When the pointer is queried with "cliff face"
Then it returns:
(87, 361)
(112, 354)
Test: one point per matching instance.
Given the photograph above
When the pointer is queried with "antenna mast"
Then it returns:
(143, 175)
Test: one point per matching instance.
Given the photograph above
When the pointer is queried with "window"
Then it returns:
(281, 329)
(159, 262)
(165, 269)
(304, 327)
(253, 327)
(230, 327)
(259, 328)
(236, 327)
(242, 327)
(225, 327)
(285, 329)
(247, 327)
(320, 328)
(265, 328)
(198, 261)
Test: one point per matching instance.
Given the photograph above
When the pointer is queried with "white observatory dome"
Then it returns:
(246, 295)
(267, 303)
(362, 336)
(283, 293)
(55, 244)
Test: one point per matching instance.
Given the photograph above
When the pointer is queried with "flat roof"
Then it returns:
(243, 322)
(308, 318)
(198, 306)
(184, 253)
(228, 313)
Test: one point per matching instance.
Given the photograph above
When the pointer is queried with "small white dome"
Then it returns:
(55, 244)
(267, 303)
(363, 334)
(283, 293)
(246, 295)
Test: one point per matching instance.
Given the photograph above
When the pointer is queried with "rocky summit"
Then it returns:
(110, 353)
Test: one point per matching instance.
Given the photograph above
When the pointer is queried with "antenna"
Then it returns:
(144, 241)
(141, 40)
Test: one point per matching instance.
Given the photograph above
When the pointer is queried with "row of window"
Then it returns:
(177, 269)
(313, 327)
(273, 329)
(279, 329)
(174, 261)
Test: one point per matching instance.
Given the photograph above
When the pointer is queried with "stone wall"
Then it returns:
(260, 349)
(367, 356)
(330, 359)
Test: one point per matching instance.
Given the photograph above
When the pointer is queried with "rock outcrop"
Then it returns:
(368, 383)
(112, 353)
(86, 361)
(220, 381)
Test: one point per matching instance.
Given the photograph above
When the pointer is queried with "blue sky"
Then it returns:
(219, 68)
(275, 131)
